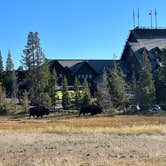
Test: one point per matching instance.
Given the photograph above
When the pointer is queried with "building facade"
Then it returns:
(143, 39)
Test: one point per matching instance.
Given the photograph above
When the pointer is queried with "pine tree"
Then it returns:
(32, 60)
(1, 67)
(145, 92)
(66, 102)
(161, 79)
(8, 84)
(103, 95)
(2, 109)
(9, 62)
(77, 100)
(43, 86)
(86, 98)
(25, 101)
(118, 88)
(14, 85)
(1, 95)
(45, 100)
(52, 87)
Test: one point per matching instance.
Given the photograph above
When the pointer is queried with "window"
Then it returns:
(156, 52)
(90, 76)
(83, 76)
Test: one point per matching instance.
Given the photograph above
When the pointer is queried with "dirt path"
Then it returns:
(36, 149)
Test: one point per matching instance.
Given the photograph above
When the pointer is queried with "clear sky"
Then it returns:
(68, 29)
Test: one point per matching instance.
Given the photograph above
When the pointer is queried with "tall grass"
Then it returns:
(114, 125)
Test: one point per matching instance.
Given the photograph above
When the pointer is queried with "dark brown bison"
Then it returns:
(92, 109)
(38, 111)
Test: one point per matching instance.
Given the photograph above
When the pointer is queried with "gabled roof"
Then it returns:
(68, 62)
(149, 38)
(99, 65)
(145, 38)
(149, 33)
(74, 65)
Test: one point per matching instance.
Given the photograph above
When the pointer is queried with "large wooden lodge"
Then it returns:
(140, 39)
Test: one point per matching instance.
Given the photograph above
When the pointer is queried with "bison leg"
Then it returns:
(80, 113)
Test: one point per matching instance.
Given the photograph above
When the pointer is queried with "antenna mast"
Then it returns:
(150, 14)
(155, 18)
(138, 17)
(133, 18)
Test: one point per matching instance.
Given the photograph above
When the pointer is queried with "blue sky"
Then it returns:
(68, 29)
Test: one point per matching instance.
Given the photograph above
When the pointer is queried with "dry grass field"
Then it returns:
(85, 141)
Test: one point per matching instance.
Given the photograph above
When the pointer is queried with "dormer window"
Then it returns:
(83, 76)
(60, 75)
(90, 76)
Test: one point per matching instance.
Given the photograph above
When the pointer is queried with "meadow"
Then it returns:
(86, 141)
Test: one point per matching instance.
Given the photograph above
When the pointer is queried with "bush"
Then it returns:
(3, 110)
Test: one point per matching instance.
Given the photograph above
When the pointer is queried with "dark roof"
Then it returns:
(68, 62)
(99, 65)
(74, 65)
(146, 33)
(145, 38)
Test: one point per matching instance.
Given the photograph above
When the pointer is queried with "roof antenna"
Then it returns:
(133, 18)
(138, 17)
(150, 14)
(155, 18)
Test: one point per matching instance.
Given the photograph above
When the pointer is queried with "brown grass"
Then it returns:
(113, 125)
(79, 130)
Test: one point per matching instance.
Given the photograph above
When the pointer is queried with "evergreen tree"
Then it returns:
(25, 101)
(1, 67)
(65, 95)
(2, 108)
(14, 85)
(9, 62)
(103, 95)
(45, 100)
(43, 87)
(52, 87)
(118, 88)
(86, 98)
(44, 76)
(32, 60)
(8, 77)
(145, 92)
(28, 53)
(1, 95)
(77, 100)
(161, 79)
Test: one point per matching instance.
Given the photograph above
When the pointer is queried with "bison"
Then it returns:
(38, 111)
(92, 109)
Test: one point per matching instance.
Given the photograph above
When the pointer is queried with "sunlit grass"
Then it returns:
(114, 125)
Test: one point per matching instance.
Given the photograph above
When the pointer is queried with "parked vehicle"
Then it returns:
(132, 108)
(155, 108)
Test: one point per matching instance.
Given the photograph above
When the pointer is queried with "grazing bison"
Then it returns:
(38, 111)
(92, 109)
